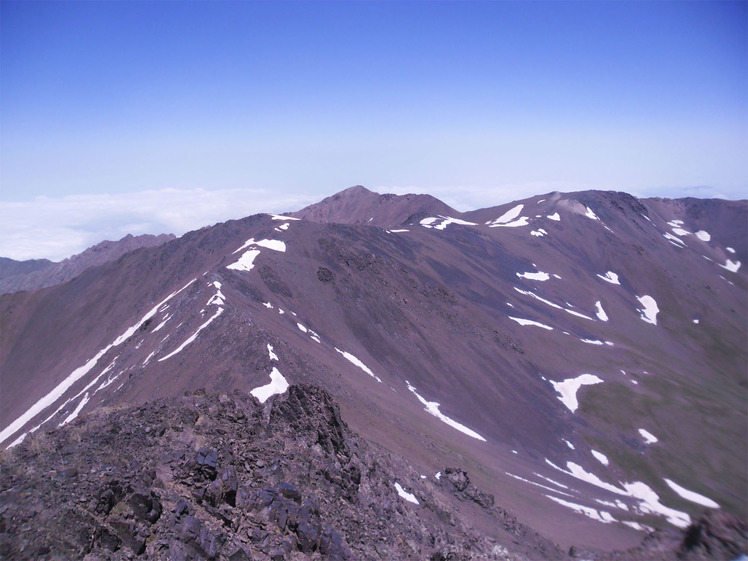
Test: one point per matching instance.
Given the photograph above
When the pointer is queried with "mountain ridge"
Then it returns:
(40, 273)
(466, 325)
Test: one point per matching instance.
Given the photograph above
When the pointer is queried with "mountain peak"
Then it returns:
(359, 205)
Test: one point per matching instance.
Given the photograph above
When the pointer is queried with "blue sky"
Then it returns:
(119, 117)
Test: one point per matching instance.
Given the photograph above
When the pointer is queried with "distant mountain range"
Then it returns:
(581, 356)
(39, 273)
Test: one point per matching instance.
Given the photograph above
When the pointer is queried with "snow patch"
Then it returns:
(601, 516)
(600, 457)
(592, 341)
(403, 494)
(432, 407)
(649, 309)
(539, 233)
(691, 496)
(218, 298)
(193, 336)
(731, 266)
(730, 250)
(273, 356)
(277, 385)
(601, 315)
(524, 322)
(357, 362)
(75, 412)
(521, 221)
(649, 501)
(610, 277)
(444, 222)
(555, 216)
(246, 261)
(590, 214)
(539, 276)
(703, 236)
(281, 217)
(509, 215)
(569, 444)
(648, 437)
(675, 241)
(552, 489)
(568, 388)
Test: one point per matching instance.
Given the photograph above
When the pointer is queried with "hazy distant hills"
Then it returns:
(581, 356)
(39, 273)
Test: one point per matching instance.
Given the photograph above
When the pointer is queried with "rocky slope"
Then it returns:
(581, 355)
(40, 273)
(221, 477)
(210, 476)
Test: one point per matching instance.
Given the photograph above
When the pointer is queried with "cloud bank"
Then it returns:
(56, 228)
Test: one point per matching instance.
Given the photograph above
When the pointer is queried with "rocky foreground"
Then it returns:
(224, 477)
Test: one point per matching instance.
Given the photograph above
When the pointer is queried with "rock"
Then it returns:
(717, 534)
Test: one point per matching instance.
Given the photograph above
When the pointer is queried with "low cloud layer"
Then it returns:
(56, 228)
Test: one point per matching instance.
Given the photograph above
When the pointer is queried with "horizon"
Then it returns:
(133, 118)
(115, 238)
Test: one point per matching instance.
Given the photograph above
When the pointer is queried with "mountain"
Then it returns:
(581, 356)
(39, 273)
(358, 205)
(12, 268)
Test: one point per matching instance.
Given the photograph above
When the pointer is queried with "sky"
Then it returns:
(150, 117)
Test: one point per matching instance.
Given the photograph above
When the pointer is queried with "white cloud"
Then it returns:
(56, 228)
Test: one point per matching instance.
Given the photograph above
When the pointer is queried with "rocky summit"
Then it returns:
(575, 359)
(220, 476)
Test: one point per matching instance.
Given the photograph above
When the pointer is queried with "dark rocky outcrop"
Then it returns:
(222, 477)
